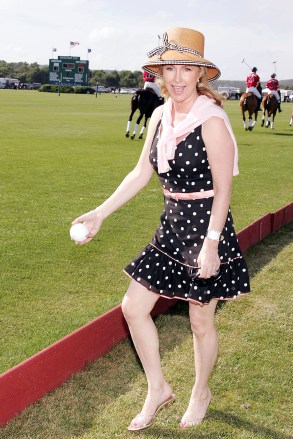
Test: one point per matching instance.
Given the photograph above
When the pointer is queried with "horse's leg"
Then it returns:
(263, 117)
(244, 120)
(268, 118)
(134, 131)
(136, 126)
(143, 127)
(141, 132)
(251, 123)
(129, 121)
(273, 120)
(128, 128)
(134, 107)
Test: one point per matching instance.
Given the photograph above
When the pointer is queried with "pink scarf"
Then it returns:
(202, 109)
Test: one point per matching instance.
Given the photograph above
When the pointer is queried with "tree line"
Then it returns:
(31, 73)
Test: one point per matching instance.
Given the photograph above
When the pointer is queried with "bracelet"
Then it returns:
(213, 235)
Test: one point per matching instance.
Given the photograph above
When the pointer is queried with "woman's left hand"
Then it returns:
(208, 259)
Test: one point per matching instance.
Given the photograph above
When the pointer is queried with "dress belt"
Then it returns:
(188, 195)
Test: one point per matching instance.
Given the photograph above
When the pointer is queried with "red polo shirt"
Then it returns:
(273, 84)
(252, 80)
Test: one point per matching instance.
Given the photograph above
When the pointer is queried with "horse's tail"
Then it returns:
(134, 102)
(138, 95)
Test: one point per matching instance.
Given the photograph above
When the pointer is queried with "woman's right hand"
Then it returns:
(93, 221)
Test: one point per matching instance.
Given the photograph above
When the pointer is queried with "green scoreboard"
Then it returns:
(68, 70)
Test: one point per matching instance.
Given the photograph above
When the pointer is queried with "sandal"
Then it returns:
(142, 420)
(187, 422)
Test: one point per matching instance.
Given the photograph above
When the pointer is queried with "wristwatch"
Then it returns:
(214, 235)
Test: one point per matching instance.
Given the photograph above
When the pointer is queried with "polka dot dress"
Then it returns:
(168, 265)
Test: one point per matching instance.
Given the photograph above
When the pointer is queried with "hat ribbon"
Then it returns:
(171, 46)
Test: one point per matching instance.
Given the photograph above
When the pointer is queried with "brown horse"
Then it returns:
(145, 101)
(248, 102)
(270, 105)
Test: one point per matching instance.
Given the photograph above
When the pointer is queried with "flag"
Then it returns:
(54, 49)
(74, 43)
(89, 50)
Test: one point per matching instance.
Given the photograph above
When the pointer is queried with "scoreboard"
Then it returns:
(69, 70)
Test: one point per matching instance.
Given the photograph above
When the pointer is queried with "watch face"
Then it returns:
(213, 234)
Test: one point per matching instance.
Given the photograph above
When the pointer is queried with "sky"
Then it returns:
(121, 32)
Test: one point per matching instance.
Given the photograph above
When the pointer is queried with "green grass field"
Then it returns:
(63, 155)
(252, 395)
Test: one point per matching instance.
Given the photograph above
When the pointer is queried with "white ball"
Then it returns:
(78, 232)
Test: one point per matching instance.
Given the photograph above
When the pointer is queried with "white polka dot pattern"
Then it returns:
(168, 265)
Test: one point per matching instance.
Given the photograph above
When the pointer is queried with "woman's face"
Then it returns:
(180, 81)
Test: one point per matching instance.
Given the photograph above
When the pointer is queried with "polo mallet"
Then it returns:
(243, 61)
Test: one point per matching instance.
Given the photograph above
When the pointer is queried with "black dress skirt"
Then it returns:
(168, 264)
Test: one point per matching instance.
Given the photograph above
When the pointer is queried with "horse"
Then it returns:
(249, 102)
(270, 105)
(146, 101)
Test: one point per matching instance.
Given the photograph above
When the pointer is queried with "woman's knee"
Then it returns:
(201, 322)
(128, 307)
(201, 327)
(137, 302)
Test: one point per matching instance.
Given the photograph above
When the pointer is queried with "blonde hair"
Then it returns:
(203, 88)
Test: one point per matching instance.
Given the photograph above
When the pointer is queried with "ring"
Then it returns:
(216, 272)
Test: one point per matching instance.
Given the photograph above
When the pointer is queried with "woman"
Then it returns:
(194, 255)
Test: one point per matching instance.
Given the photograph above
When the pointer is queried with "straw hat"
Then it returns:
(180, 46)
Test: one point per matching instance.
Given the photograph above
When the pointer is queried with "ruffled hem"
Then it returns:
(161, 274)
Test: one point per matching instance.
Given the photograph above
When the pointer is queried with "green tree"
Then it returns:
(97, 76)
(36, 74)
(4, 69)
(112, 79)
(130, 79)
(21, 71)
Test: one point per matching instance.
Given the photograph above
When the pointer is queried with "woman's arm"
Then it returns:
(136, 180)
(220, 151)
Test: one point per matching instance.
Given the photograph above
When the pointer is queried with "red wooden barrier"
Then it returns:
(249, 236)
(265, 226)
(288, 213)
(30, 380)
(278, 218)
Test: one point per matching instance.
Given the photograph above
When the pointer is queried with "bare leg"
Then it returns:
(136, 306)
(205, 341)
